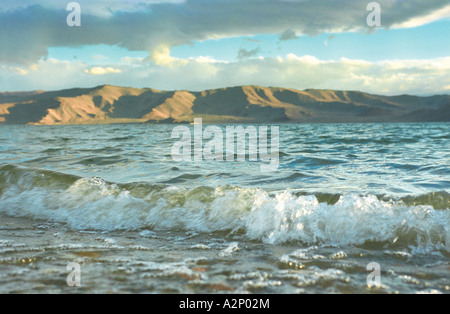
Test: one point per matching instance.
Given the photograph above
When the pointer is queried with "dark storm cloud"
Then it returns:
(26, 32)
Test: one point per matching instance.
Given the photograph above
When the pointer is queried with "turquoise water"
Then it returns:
(111, 198)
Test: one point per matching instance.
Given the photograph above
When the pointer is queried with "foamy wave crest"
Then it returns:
(254, 213)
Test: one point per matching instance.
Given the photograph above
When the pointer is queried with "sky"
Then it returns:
(205, 44)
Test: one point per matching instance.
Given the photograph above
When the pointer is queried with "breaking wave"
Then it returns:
(272, 217)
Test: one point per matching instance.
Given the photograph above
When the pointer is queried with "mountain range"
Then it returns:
(244, 104)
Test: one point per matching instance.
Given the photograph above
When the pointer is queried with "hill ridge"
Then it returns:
(106, 103)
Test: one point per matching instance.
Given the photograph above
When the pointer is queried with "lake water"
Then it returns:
(111, 198)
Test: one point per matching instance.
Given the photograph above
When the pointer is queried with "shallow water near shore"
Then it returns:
(112, 199)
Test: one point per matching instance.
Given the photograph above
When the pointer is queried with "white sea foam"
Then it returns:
(283, 217)
(230, 250)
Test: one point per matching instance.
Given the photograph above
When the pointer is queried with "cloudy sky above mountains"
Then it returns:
(202, 44)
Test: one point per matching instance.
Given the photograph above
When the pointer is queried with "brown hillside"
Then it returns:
(243, 104)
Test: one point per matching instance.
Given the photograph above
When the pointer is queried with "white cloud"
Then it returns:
(13, 69)
(207, 59)
(161, 56)
(418, 77)
(132, 60)
(425, 19)
(102, 70)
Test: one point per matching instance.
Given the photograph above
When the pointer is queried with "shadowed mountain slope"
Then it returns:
(243, 104)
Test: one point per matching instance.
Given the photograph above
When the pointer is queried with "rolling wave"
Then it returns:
(273, 217)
